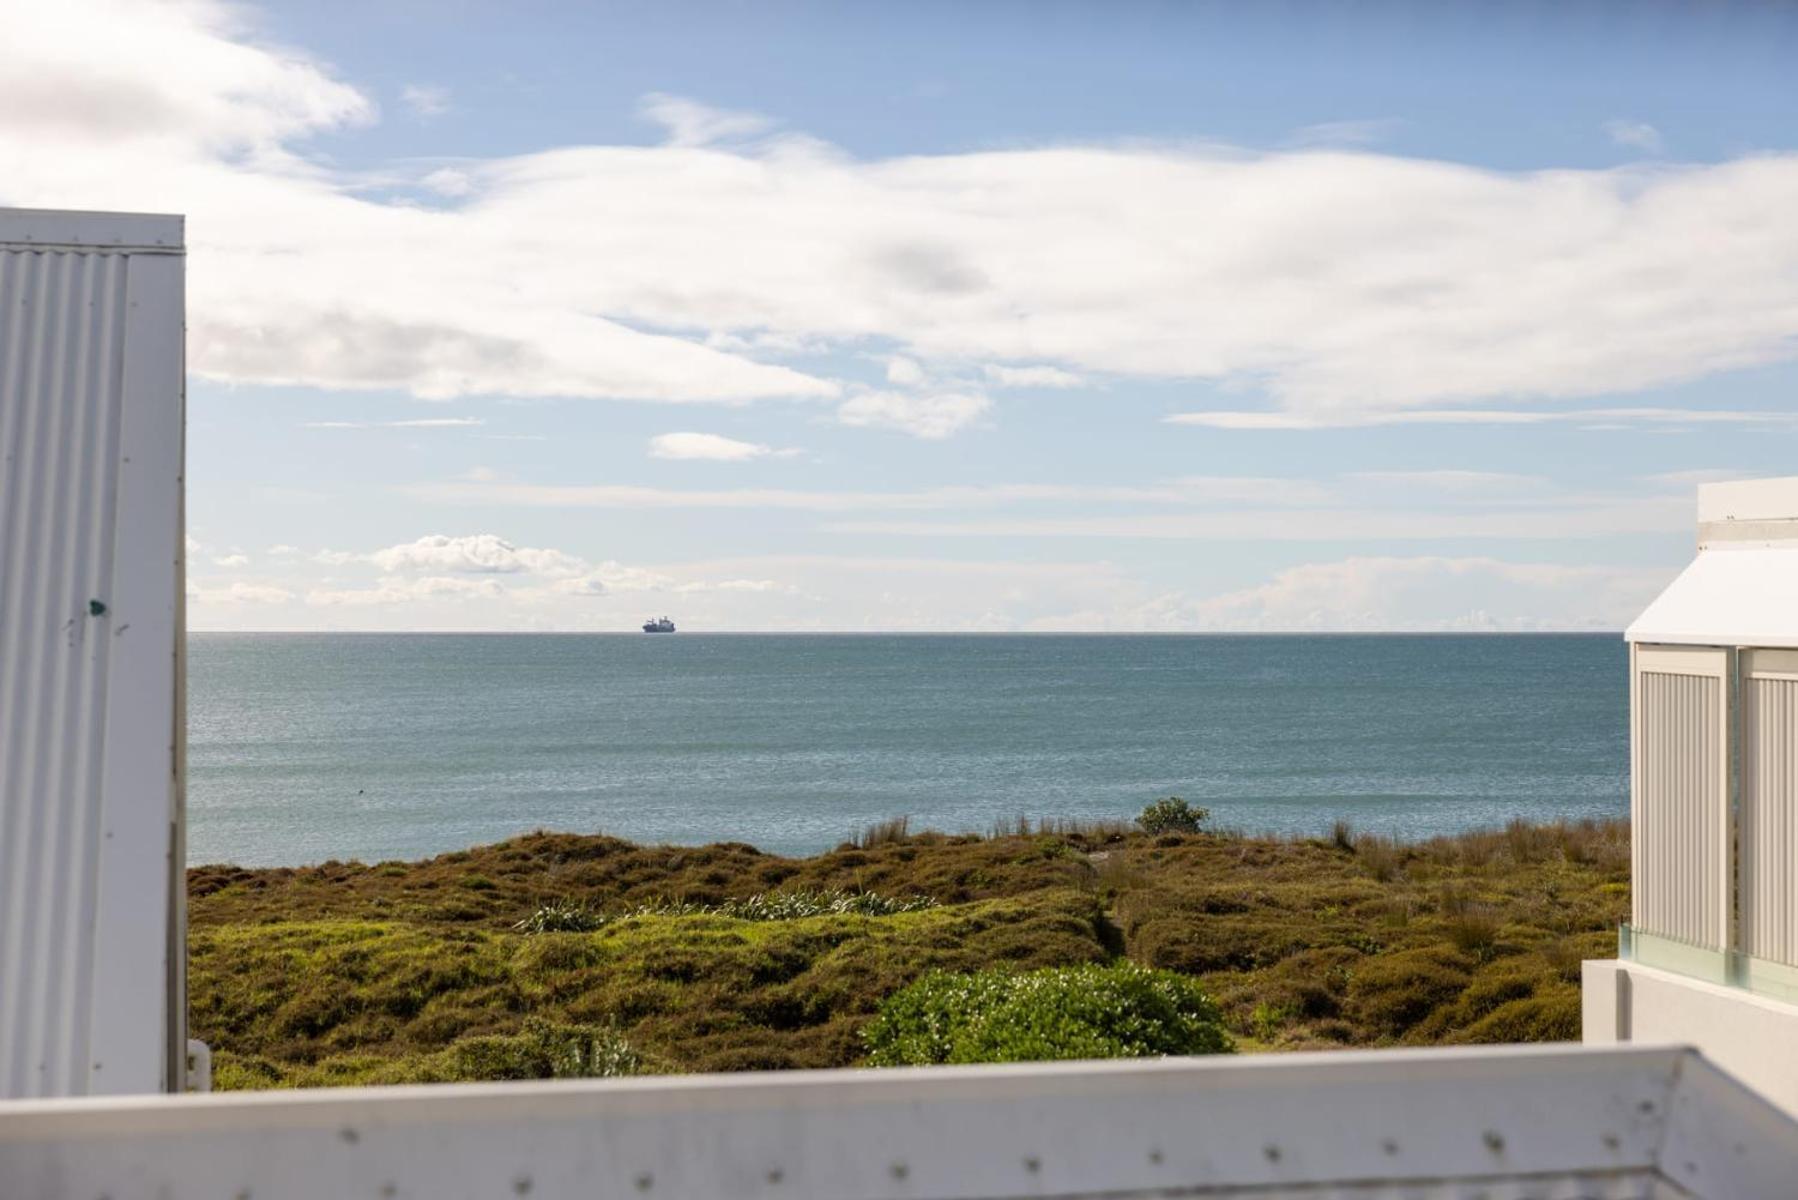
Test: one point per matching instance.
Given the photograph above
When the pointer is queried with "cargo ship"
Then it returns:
(664, 625)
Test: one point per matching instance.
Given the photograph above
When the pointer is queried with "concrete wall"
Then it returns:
(1751, 1037)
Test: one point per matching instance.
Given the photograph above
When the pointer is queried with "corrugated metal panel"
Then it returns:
(1769, 816)
(1679, 813)
(90, 529)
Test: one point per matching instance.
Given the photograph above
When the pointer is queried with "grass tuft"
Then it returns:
(895, 831)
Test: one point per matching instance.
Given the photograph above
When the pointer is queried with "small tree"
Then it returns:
(1172, 815)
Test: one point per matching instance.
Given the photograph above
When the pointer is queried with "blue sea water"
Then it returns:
(306, 747)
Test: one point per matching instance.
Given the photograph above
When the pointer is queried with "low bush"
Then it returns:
(561, 916)
(1551, 1015)
(541, 1050)
(894, 831)
(1471, 927)
(1172, 815)
(1120, 1011)
(1380, 857)
(1392, 993)
(790, 906)
(567, 917)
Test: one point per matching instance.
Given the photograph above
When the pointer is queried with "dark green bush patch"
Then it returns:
(1120, 1011)
(1172, 815)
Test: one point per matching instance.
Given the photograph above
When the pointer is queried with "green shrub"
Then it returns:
(1172, 815)
(1472, 927)
(789, 906)
(1267, 1020)
(1393, 992)
(561, 916)
(541, 1050)
(1122, 1011)
(1552, 1015)
(1380, 857)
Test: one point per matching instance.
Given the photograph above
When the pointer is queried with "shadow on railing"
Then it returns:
(1725, 967)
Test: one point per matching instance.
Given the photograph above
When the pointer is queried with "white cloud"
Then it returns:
(1433, 593)
(392, 591)
(904, 372)
(1032, 377)
(1583, 517)
(864, 592)
(757, 586)
(1453, 480)
(415, 423)
(1188, 490)
(282, 550)
(1336, 283)
(235, 593)
(708, 447)
(1638, 135)
(689, 123)
(1591, 417)
(1687, 480)
(232, 560)
(925, 416)
(425, 99)
(609, 577)
(476, 554)
(1345, 133)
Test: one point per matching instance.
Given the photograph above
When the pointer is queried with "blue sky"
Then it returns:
(932, 316)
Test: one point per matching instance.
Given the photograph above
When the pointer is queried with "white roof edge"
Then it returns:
(1742, 588)
(1731, 596)
(152, 232)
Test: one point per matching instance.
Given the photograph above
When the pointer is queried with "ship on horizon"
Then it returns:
(664, 625)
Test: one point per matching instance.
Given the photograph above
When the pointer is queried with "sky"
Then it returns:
(930, 316)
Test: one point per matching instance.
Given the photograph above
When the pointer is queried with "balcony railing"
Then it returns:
(1727, 968)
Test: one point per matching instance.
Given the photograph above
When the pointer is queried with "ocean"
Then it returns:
(307, 747)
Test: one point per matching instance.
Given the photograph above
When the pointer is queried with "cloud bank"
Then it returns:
(1344, 287)
(859, 593)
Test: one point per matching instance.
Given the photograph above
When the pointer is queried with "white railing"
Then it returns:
(1568, 1120)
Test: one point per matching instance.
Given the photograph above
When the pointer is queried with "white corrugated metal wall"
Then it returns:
(1679, 810)
(1769, 805)
(91, 412)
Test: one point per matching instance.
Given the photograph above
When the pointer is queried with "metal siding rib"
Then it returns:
(1678, 757)
(1769, 849)
(61, 388)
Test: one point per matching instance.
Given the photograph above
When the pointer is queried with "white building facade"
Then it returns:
(1710, 956)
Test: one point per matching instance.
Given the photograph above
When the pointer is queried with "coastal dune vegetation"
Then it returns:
(555, 954)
